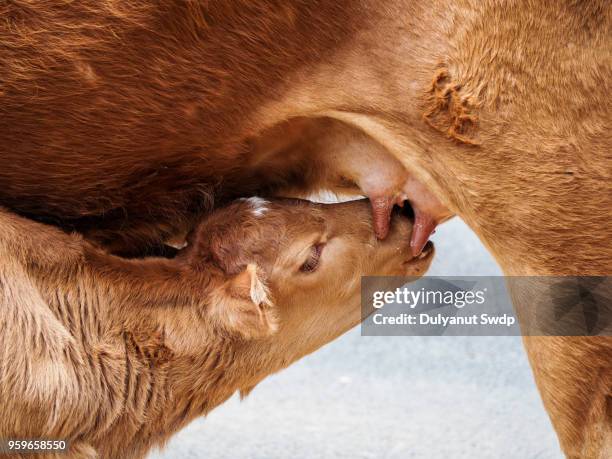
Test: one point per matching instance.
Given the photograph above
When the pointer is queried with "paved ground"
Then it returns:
(389, 397)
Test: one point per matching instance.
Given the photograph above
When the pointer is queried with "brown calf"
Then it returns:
(115, 355)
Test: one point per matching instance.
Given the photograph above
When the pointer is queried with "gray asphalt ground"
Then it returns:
(389, 397)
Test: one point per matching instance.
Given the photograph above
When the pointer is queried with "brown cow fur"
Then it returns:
(121, 119)
(115, 355)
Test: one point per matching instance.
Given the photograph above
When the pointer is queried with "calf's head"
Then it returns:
(290, 270)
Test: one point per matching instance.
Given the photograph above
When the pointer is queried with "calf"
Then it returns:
(114, 355)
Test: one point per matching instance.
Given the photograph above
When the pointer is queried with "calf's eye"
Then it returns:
(314, 256)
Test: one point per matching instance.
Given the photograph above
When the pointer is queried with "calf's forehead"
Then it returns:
(257, 224)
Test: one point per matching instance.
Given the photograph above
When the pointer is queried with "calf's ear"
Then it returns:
(242, 306)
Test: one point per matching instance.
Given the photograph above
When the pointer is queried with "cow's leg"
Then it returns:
(574, 377)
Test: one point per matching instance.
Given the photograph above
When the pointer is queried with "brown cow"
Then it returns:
(122, 119)
(115, 355)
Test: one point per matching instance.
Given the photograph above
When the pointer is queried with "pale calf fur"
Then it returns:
(115, 355)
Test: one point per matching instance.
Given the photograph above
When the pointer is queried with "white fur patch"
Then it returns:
(259, 205)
